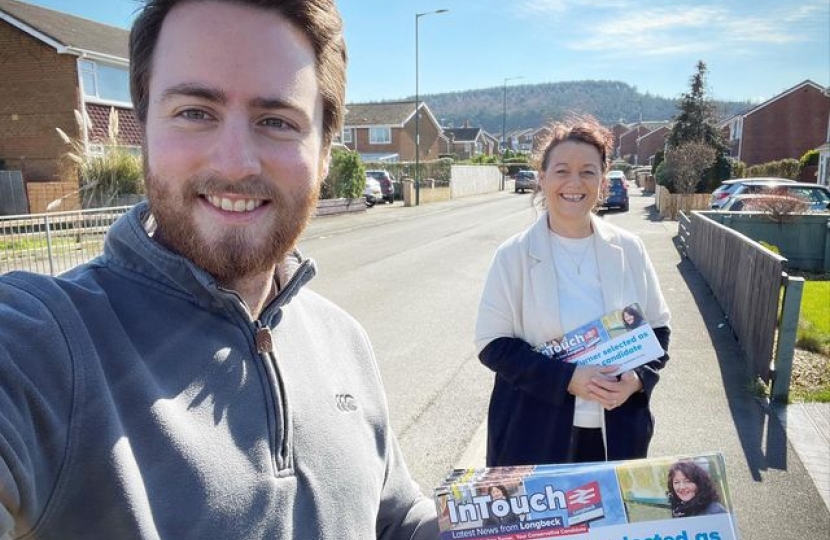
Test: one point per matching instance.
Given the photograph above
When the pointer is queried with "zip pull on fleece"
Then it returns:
(264, 342)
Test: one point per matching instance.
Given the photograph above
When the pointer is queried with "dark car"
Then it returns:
(617, 195)
(524, 180)
(387, 184)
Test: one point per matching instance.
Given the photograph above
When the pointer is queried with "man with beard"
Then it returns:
(185, 384)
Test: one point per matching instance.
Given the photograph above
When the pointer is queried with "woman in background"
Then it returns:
(567, 269)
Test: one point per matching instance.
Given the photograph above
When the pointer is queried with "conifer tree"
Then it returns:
(696, 123)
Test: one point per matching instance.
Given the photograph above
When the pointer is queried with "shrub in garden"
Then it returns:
(783, 168)
(346, 178)
(104, 177)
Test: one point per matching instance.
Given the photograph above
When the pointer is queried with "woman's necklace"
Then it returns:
(576, 262)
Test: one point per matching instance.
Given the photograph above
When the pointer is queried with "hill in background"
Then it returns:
(532, 105)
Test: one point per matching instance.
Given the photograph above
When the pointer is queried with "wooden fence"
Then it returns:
(671, 204)
(746, 280)
(40, 194)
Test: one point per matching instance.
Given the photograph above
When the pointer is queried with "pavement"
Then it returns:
(777, 456)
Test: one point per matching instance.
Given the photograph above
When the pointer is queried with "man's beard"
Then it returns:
(235, 253)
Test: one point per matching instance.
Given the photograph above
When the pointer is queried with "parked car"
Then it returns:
(818, 197)
(761, 202)
(617, 194)
(524, 180)
(372, 191)
(728, 187)
(387, 184)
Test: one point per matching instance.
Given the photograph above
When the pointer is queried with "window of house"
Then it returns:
(104, 82)
(380, 135)
(347, 136)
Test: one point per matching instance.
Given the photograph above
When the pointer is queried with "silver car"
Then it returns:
(525, 180)
(728, 188)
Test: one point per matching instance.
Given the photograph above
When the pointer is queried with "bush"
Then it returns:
(663, 177)
(738, 168)
(659, 157)
(103, 178)
(687, 162)
(809, 159)
(484, 159)
(783, 168)
(116, 173)
(347, 176)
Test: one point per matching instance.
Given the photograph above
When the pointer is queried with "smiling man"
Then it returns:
(186, 384)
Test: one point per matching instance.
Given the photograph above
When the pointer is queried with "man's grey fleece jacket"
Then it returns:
(139, 400)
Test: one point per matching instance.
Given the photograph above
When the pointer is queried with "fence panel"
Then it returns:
(12, 193)
(746, 280)
(670, 204)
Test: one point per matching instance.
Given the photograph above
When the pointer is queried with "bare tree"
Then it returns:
(779, 204)
(686, 164)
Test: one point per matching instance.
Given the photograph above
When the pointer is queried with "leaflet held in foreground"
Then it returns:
(668, 498)
(622, 338)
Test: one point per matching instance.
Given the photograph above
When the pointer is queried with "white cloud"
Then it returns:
(536, 8)
(807, 11)
(660, 32)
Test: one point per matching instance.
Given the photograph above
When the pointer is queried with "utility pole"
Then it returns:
(417, 109)
(504, 122)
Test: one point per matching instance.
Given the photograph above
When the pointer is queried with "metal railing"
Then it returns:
(54, 242)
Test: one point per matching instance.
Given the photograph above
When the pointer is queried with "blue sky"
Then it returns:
(754, 49)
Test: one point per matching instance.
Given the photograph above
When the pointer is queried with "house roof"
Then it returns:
(663, 131)
(67, 33)
(392, 113)
(461, 135)
(650, 125)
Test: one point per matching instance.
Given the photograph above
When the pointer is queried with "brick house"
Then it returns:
(651, 143)
(628, 143)
(386, 131)
(617, 131)
(52, 65)
(467, 142)
(784, 126)
(491, 143)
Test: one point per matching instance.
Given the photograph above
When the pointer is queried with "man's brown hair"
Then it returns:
(319, 20)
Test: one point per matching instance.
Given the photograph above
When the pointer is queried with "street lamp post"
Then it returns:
(504, 122)
(417, 109)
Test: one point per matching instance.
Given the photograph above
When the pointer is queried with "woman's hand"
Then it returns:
(612, 392)
(580, 385)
